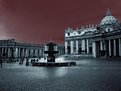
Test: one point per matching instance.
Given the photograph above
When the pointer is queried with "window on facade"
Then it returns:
(108, 29)
(79, 32)
(68, 34)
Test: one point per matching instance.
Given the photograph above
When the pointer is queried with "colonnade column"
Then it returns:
(26, 55)
(41, 53)
(30, 52)
(36, 53)
(15, 52)
(8, 52)
(77, 47)
(24, 52)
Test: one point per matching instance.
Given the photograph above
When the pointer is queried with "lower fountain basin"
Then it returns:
(53, 64)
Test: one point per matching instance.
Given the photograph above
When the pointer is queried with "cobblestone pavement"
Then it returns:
(87, 75)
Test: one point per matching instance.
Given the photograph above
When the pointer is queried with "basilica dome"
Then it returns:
(109, 19)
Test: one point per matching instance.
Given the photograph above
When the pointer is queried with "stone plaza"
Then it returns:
(88, 75)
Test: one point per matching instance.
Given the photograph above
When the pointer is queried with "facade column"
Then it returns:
(94, 49)
(31, 52)
(83, 45)
(18, 52)
(87, 46)
(66, 45)
(41, 53)
(5, 49)
(46, 48)
(109, 47)
(2, 50)
(119, 47)
(114, 43)
(15, 52)
(12, 53)
(72, 47)
(104, 45)
(8, 52)
(77, 47)
(101, 46)
(24, 52)
(35, 52)
(38, 52)
(27, 52)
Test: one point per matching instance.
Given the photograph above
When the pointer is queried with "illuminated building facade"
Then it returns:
(102, 39)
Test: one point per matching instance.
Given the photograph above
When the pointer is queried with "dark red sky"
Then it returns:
(39, 21)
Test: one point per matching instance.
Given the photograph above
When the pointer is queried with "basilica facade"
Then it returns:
(103, 39)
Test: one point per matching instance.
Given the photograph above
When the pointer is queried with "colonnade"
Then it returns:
(18, 52)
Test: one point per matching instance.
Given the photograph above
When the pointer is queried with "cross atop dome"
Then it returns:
(108, 12)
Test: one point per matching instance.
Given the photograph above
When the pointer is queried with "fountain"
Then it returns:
(51, 50)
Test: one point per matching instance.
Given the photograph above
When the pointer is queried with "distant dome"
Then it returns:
(109, 19)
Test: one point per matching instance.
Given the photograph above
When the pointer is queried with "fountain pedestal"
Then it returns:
(51, 51)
